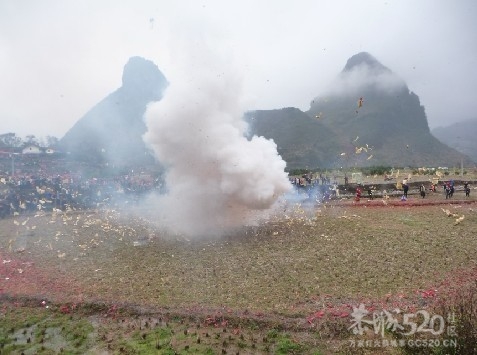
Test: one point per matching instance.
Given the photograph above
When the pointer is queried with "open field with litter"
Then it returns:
(123, 285)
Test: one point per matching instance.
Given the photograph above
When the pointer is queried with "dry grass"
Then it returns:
(289, 268)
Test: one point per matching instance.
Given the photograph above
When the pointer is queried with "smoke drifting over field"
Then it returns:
(216, 178)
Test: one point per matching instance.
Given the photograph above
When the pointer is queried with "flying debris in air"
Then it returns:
(366, 148)
(357, 137)
(360, 102)
(361, 149)
(318, 116)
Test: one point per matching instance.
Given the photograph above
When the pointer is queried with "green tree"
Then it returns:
(10, 140)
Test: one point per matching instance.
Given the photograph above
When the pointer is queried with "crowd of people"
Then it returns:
(43, 189)
(41, 185)
(321, 187)
(22, 194)
(448, 186)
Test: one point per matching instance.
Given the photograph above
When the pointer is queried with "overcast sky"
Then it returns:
(58, 58)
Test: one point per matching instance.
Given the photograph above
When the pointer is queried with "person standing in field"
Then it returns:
(467, 189)
(405, 187)
(358, 194)
(422, 190)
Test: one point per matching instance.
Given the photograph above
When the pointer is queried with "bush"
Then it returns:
(463, 310)
(298, 172)
(376, 170)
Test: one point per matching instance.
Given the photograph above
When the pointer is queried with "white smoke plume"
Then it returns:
(217, 179)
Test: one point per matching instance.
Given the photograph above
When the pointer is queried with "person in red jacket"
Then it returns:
(358, 193)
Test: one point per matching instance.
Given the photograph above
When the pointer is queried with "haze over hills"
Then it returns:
(388, 128)
(461, 136)
(111, 132)
(390, 124)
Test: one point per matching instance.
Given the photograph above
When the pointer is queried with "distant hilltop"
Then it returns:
(111, 132)
(367, 117)
(460, 136)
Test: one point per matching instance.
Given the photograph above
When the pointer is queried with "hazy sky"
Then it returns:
(58, 58)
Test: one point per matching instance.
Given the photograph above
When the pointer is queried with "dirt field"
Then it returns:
(289, 286)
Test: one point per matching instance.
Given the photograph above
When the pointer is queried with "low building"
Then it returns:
(31, 149)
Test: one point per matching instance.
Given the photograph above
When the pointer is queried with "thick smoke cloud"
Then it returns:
(216, 178)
